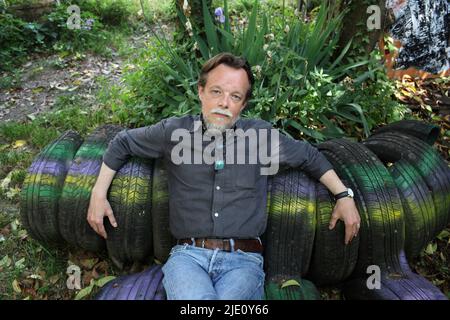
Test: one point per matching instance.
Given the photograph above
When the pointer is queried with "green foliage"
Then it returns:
(71, 113)
(302, 84)
(18, 38)
(110, 12)
(90, 36)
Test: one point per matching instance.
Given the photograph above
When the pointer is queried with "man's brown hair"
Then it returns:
(229, 60)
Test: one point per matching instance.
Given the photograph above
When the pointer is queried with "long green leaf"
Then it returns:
(210, 30)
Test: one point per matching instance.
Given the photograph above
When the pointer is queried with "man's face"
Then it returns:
(223, 96)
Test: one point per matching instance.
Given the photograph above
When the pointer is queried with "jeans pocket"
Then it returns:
(178, 248)
(256, 257)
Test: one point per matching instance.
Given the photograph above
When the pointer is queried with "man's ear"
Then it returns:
(200, 91)
(243, 106)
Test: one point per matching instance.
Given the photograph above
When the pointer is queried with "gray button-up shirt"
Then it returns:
(206, 200)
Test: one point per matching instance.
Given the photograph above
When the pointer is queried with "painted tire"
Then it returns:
(75, 197)
(306, 290)
(146, 285)
(130, 199)
(332, 261)
(394, 286)
(420, 212)
(424, 131)
(43, 185)
(291, 224)
(391, 147)
(382, 232)
(163, 240)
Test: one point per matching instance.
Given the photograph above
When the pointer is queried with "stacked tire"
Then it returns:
(402, 192)
(43, 186)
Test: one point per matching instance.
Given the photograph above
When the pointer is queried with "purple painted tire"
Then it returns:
(146, 285)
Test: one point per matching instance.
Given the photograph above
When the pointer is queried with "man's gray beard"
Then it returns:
(216, 128)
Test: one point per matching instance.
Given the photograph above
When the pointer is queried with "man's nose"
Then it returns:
(224, 101)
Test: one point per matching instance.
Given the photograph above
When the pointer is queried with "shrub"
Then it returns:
(300, 87)
(18, 38)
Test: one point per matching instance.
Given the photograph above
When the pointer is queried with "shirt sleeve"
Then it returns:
(145, 142)
(301, 154)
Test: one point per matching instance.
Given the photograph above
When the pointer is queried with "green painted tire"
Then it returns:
(76, 194)
(297, 289)
(130, 198)
(420, 212)
(43, 185)
(421, 130)
(382, 232)
(392, 147)
(332, 261)
(163, 240)
(291, 224)
(393, 286)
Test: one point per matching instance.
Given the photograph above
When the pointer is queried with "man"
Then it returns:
(217, 207)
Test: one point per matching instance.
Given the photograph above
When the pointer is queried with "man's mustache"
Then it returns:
(222, 112)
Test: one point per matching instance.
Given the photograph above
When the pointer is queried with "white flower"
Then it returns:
(195, 46)
(185, 5)
(258, 70)
(188, 26)
(269, 54)
(269, 37)
(265, 47)
(286, 29)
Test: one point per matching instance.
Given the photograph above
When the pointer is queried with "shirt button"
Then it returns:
(216, 214)
(218, 188)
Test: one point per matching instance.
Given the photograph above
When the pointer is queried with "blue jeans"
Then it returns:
(195, 273)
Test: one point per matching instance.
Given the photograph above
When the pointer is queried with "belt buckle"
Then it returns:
(203, 243)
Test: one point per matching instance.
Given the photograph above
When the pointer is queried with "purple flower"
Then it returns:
(218, 12)
(219, 15)
(90, 22)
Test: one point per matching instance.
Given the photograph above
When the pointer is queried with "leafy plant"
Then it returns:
(303, 86)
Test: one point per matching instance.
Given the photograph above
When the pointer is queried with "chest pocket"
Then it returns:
(245, 176)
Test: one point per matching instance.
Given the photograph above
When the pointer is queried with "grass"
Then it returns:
(30, 270)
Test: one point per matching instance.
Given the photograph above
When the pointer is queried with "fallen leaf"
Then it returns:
(35, 276)
(289, 283)
(61, 87)
(20, 264)
(37, 90)
(23, 234)
(16, 286)
(89, 263)
(431, 248)
(85, 292)
(12, 192)
(102, 281)
(5, 182)
(19, 143)
(6, 261)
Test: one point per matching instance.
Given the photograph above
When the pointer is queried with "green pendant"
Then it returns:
(218, 165)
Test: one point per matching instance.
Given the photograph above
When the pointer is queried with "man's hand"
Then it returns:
(99, 207)
(345, 210)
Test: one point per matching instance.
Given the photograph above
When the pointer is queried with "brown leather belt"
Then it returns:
(246, 245)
